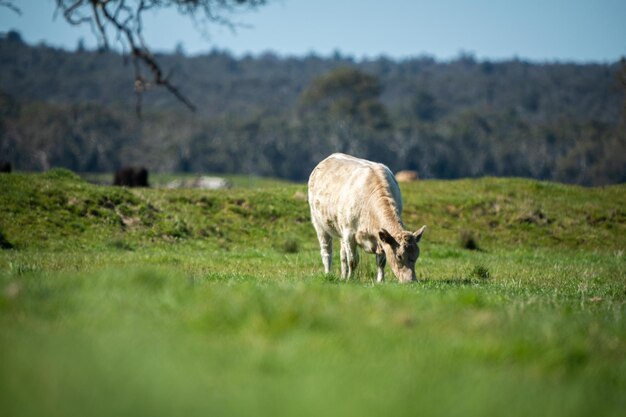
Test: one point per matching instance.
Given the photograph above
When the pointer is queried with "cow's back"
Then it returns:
(342, 188)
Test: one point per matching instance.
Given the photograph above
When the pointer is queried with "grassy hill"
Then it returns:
(58, 209)
(158, 302)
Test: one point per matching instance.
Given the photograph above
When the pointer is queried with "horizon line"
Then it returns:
(336, 54)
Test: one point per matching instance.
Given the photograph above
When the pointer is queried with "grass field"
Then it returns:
(160, 302)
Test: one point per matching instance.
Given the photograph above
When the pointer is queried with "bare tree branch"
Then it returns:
(124, 20)
(9, 5)
(72, 16)
(99, 25)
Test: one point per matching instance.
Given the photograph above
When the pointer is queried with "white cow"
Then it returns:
(359, 201)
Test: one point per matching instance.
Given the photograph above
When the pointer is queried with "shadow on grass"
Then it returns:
(362, 280)
(453, 282)
(478, 274)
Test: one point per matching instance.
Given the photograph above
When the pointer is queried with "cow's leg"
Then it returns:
(349, 256)
(326, 248)
(381, 261)
(344, 259)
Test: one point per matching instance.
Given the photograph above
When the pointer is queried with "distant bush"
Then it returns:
(61, 174)
(4, 243)
(290, 245)
(468, 241)
(480, 272)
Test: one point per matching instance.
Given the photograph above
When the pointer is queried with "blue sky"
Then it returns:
(548, 30)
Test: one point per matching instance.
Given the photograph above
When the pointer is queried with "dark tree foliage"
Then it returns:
(424, 106)
(621, 75)
(267, 115)
(346, 94)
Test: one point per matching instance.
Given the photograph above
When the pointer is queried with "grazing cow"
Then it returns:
(131, 177)
(359, 201)
(5, 167)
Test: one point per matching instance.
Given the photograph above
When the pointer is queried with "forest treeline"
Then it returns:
(278, 116)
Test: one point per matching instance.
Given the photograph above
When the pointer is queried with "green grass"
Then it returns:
(185, 302)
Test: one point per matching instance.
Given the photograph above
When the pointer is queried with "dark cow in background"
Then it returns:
(5, 167)
(131, 177)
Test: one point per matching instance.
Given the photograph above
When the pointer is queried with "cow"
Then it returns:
(359, 202)
(406, 176)
(5, 167)
(131, 177)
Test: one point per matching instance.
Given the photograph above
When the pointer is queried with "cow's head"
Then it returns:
(402, 252)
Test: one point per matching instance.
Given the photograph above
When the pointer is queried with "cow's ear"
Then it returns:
(418, 235)
(386, 237)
